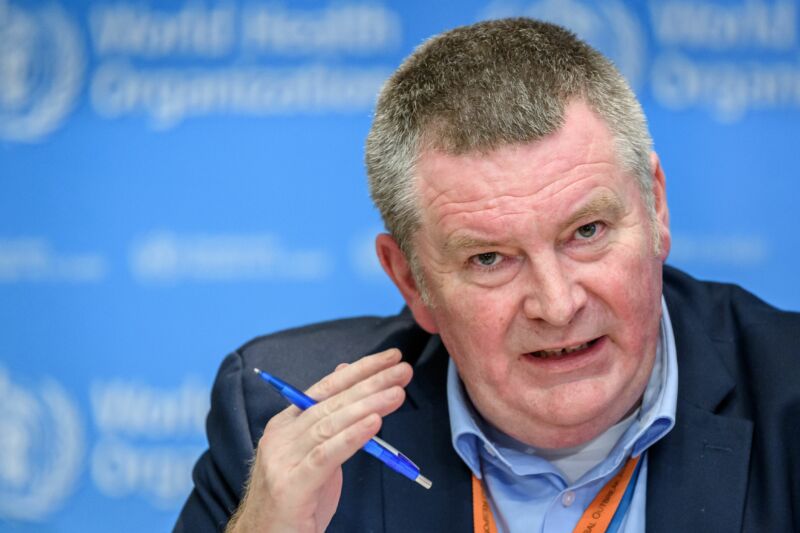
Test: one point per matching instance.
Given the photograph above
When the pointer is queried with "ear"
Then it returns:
(396, 266)
(662, 211)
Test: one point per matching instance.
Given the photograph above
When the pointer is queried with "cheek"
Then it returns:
(633, 269)
(474, 328)
(474, 311)
(636, 302)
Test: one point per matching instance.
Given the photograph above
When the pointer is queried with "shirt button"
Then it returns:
(567, 498)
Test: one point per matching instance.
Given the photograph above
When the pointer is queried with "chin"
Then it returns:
(579, 423)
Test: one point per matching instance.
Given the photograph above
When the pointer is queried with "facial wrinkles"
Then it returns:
(525, 201)
(452, 197)
(520, 222)
(497, 206)
(591, 320)
(504, 191)
(491, 172)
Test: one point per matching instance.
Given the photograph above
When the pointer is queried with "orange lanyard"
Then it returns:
(595, 519)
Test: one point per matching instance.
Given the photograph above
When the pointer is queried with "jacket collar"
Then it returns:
(697, 475)
(420, 429)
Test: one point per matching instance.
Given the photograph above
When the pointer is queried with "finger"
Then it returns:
(340, 379)
(323, 460)
(397, 375)
(291, 451)
(353, 373)
(380, 394)
(327, 428)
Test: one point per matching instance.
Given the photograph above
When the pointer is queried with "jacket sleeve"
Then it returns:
(220, 473)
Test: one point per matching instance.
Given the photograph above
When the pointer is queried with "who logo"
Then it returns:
(41, 448)
(41, 70)
(608, 26)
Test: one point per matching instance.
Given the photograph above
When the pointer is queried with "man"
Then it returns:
(528, 227)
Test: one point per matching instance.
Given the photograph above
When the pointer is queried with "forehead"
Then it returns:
(580, 154)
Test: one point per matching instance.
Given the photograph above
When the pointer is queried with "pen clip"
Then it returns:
(394, 451)
(386, 445)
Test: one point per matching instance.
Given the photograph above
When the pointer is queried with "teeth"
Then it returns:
(546, 354)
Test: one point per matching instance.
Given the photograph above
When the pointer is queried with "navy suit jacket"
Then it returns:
(731, 463)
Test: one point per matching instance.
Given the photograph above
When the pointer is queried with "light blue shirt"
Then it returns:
(528, 493)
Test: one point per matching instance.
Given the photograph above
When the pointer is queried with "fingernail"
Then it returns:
(391, 393)
(371, 420)
(392, 353)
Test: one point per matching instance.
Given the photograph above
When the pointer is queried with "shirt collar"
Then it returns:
(656, 415)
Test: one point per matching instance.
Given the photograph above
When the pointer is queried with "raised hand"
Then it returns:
(296, 479)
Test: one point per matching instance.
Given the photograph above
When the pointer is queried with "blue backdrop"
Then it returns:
(178, 177)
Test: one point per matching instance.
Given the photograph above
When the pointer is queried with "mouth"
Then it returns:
(560, 353)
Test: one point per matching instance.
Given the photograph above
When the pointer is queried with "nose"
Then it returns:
(553, 295)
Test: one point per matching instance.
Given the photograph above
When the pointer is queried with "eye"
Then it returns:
(488, 259)
(587, 231)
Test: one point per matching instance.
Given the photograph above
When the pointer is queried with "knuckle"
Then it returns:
(394, 394)
(266, 469)
(355, 436)
(388, 377)
(280, 491)
(352, 438)
(264, 447)
(318, 456)
(326, 387)
(325, 429)
(273, 430)
(325, 409)
(271, 427)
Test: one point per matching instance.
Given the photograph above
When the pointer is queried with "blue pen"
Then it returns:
(376, 447)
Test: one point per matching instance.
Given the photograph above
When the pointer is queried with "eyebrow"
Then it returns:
(465, 242)
(606, 205)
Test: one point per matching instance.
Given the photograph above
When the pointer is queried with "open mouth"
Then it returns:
(560, 353)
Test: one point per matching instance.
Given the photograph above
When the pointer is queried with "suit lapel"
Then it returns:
(697, 475)
(421, 431)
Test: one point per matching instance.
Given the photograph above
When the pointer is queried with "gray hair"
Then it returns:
(478, 87)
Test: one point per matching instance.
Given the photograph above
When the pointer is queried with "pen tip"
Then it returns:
(257, 371)
(425, 482)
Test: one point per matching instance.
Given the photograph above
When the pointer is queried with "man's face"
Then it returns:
(544, 279)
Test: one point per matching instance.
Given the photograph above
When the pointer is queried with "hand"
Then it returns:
(296, 479)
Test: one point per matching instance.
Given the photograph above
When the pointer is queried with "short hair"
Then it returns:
(479, 87)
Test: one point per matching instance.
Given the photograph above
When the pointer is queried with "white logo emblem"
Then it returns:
(41, 70)
(41, 447)
(607, 25)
